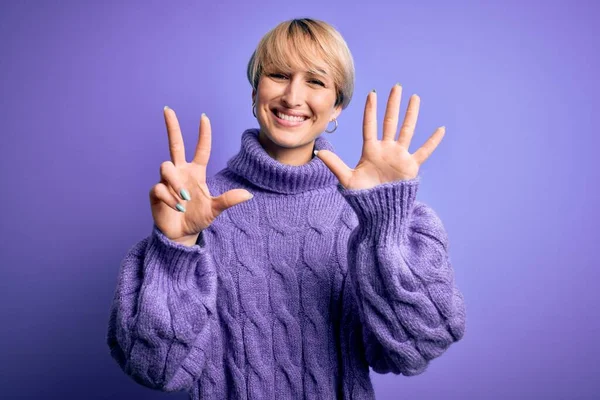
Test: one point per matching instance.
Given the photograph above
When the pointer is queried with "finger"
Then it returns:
(204, 141)
(430, 145)
(175, 139)
(370, 119)
(410, 121)
(160, 193)
(390, 120)
(169, 176)
(336, 165)
(229, 199)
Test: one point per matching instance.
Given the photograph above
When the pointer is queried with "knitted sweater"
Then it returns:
(293, 294)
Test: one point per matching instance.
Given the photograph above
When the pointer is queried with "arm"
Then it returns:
(400, 280)
(161, 314)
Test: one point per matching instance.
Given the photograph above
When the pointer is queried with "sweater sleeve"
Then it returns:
(160, 319)
(400, 279)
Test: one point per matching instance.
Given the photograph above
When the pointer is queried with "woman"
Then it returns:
(287, 276)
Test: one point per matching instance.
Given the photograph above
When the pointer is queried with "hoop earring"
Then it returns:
(253, 111)
(336, 126)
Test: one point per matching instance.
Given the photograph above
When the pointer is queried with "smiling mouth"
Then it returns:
(284, 117)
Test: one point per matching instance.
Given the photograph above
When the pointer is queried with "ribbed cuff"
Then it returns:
(383, 211)
(176, 261)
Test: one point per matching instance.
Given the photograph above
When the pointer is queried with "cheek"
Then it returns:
(324, 103)
(262, 97)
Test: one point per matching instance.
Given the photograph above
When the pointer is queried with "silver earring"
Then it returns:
(253, 111)
(336, 126)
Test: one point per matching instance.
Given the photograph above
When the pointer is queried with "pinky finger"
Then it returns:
(161, 193)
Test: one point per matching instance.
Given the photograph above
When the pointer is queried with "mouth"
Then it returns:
(287, 120)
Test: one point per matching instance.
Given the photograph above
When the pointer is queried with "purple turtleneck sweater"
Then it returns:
(293, 294)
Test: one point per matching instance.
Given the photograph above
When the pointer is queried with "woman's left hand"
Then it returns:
(385, 160)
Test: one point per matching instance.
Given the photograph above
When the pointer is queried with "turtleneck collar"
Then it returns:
(255, 165)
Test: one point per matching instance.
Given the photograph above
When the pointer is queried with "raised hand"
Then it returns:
(385, 160)
(181, 202)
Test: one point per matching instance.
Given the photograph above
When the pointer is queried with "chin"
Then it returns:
(287, 139)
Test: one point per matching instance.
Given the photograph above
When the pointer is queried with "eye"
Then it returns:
(278, 76)
(318, 82)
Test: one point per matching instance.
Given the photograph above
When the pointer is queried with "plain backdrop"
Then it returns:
(515, 180)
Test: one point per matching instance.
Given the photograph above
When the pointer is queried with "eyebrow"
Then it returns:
(322, 71)
(316, 73)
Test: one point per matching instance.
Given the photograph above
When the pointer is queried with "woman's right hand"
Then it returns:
(177, 175)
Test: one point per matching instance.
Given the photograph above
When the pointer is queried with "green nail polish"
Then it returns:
(180, 207)
(398, 84)
(185, 195)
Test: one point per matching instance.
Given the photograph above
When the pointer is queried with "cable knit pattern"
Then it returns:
(291, 295)
(399, 270)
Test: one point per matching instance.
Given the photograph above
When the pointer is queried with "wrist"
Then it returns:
(189, 241)
(384, 210)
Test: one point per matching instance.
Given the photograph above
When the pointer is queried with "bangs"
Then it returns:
(294, 51)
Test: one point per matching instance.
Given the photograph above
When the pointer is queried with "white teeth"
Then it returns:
(289, 118)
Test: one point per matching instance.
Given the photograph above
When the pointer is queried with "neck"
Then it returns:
(256, 166)
(297, 156)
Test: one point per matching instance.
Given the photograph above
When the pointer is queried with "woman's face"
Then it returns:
(306, 102)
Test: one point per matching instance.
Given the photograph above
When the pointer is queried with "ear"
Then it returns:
(253, 95)
(336, 112)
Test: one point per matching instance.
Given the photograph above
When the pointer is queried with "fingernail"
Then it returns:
(398, 84)
(315, 152)
(250, 196)
(374, 91)
(185, 195)
(180, 207)
(203, 115)
(165, 108)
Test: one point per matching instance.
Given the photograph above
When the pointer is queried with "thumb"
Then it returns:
(336, 165)
(231, 198)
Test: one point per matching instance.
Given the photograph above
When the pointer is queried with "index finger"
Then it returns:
(176, 147)
(410, 121)
(204, 142)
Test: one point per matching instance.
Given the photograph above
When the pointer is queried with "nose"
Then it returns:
(293, 93)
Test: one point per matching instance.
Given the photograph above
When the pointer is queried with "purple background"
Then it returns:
(515, 179)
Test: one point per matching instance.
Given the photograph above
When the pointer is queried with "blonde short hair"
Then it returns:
(309, 44)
